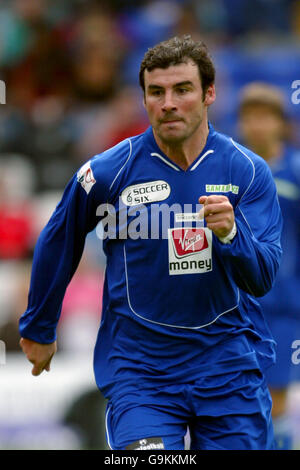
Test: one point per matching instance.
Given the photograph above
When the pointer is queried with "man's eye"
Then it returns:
(156, 92)
(182, 90)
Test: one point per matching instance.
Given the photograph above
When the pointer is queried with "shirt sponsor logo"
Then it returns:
(85, 177)
(147, 444)
(189, 250)
(222, 188)
(188, 217)
(144, 193)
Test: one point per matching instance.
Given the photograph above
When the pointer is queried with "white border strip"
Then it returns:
(166, 324)
(252, 179)
(200, 159)
(253, 176)
(106, 427)
(130, 152)
(164, 160)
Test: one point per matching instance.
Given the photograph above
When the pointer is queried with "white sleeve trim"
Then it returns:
(251, 181)
(122, 167)
(226, 240)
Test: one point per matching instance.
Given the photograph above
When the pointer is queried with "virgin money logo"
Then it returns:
(190, 250)
(189, 241)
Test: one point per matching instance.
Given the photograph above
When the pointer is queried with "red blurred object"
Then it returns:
(16, 231)
(123, 133)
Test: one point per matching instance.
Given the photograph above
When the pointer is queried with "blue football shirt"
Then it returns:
(177, 303)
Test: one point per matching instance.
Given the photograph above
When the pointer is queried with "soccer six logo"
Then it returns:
(144, 193)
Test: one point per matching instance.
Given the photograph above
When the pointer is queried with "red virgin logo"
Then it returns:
(89, 178)
(189, 240)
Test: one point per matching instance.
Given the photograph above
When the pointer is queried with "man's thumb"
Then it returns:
(202, 199)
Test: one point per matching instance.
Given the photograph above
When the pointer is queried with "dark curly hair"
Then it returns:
(177, 51)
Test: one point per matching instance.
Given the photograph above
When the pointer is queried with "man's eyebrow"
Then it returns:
(185, 82)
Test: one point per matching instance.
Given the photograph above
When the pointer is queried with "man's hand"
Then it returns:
(39, 355)
(218, 213)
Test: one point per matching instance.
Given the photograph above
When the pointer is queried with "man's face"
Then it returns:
(174, 101)
(260, 125)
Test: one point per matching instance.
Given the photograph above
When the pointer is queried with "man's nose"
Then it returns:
(169, 103)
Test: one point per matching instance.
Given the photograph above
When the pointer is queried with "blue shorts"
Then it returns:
(227, 412)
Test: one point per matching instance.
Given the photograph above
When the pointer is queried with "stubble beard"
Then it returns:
(177, 140)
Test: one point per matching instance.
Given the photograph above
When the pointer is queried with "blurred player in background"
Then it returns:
(264, 128)
(182, 342)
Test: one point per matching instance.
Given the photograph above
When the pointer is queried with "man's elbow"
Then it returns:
(267, 280)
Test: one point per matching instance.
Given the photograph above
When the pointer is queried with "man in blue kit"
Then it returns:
(264, 128)
(182, 341)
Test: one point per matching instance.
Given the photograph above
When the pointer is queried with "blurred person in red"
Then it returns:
(17, 235)
(263, 125)
(44, 68)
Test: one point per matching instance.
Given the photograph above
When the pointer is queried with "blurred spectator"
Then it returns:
(16, 279)
(295, 17)
(15, 231)
(16, 131)
(264, 128)
(16, 215)
(95, 67)
(43, 69)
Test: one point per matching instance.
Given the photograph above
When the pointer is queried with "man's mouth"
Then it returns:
(170, 120)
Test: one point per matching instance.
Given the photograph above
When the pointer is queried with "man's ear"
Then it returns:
(210, 95)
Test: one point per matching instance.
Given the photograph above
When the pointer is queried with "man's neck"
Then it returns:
(184, 153)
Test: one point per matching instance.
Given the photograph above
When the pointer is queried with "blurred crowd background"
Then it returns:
(71, 75)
